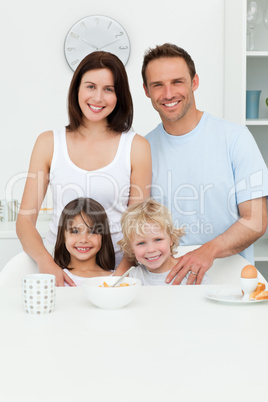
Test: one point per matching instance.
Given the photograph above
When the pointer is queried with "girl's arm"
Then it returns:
(140, 182)
(33, 196)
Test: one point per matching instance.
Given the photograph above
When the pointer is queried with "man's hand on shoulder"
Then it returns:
(196, 262)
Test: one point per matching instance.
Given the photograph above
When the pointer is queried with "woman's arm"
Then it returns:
(140, 182)
(141, 170)
(33, 196)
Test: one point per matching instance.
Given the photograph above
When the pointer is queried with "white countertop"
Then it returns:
(170, 344)
(8, 229)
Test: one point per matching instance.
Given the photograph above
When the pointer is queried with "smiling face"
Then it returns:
(80, 241)
(153, 248)
(96, 96)
(170, 88)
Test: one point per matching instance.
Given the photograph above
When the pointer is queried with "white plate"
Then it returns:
(230, 295)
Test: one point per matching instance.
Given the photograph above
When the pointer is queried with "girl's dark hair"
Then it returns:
(167, 50)
(91, 209)
(122, 116)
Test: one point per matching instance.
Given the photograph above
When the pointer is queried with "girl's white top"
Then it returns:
(79, 279)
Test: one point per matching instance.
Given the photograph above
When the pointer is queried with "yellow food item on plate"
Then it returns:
(262, 295)
(259, 293)
(260, 287)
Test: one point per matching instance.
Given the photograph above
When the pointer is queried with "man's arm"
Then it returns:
(250, 226)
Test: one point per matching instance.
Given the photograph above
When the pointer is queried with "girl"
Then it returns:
(84, 246)
(150, 237)
(96, 156)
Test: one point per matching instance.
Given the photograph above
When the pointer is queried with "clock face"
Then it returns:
(93, 33)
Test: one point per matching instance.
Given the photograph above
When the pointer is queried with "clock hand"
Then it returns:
(95, 47)
(108, 44)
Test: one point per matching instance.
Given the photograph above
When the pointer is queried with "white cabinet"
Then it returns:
(246, 70)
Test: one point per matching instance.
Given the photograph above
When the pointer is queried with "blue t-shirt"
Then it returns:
(203, 175)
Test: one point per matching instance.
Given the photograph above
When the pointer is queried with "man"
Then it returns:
(207, 171)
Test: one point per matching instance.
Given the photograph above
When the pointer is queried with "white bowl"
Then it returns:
(110, 298)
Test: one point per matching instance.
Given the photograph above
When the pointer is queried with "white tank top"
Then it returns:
(110, 185)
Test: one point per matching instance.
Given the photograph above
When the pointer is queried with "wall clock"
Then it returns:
(92, 33)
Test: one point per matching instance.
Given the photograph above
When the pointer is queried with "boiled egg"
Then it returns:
(249, 272)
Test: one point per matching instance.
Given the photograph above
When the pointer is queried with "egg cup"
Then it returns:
(248, 285)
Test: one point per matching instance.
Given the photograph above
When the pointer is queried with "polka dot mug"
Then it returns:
(39, 292)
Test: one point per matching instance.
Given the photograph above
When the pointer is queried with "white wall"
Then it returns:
(34, 76)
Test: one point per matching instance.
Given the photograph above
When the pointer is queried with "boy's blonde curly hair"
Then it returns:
(136, 218)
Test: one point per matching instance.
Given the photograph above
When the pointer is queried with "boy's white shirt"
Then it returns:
(158, 279)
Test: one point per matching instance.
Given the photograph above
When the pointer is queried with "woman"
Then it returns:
(96, 156)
